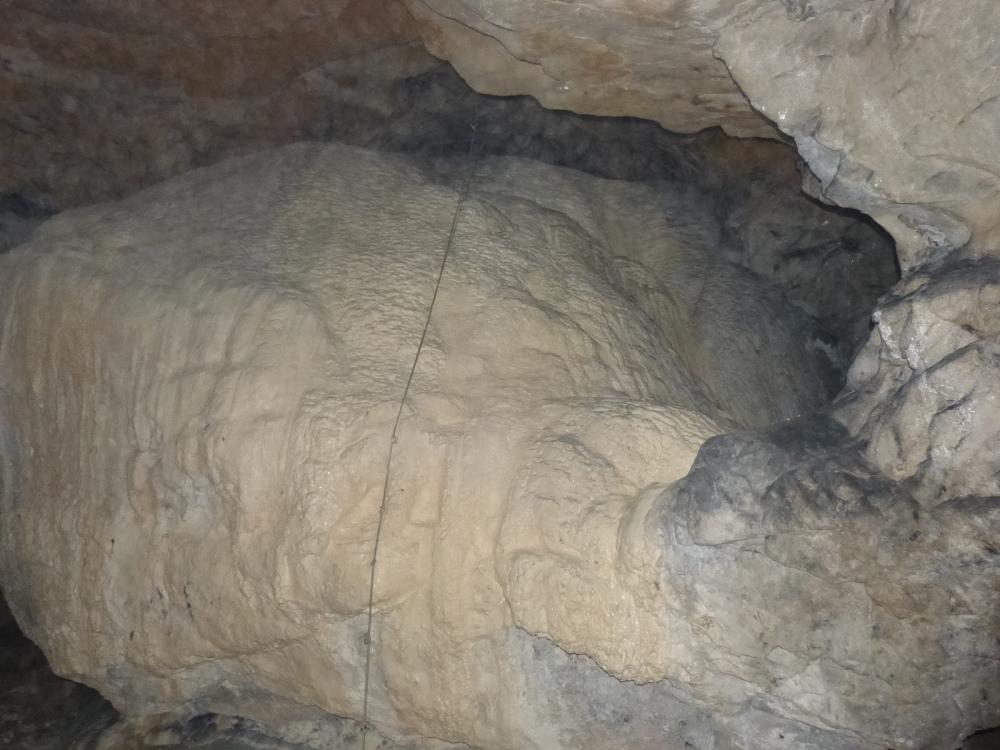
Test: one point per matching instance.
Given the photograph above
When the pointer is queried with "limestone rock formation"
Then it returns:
(842, 578)
(644, 59)
(893, 104)
(197, 392)
(133, 130)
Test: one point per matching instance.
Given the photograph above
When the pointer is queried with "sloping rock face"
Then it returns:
(841, 577)
(612, 57)
(97, 102)
(194, 420)
(923, 393)
(198, 393)
(893, 104)
(832, 264)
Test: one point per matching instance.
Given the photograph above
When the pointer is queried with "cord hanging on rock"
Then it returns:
(463, 193)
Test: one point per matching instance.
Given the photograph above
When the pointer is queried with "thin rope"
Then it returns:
(393, 438)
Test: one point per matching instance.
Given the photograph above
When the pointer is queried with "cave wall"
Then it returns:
(585, 345)
(199, 384)
(890, 105)
(99, 99)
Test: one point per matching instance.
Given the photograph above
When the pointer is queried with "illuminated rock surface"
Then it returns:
(223, 356)
(194, 417)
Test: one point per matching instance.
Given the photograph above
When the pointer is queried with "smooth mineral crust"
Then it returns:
(197, 394)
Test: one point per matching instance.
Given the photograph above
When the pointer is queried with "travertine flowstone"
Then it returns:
(197, 389)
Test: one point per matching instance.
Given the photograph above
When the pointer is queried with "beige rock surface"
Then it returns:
(895, 106)
(194, 420)
(198, 387)
(610, 57)
(890, 103)
(98, 99)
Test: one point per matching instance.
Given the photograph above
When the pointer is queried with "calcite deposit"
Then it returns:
(197, 393)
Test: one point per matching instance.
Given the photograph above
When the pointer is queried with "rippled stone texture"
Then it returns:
(225, 356)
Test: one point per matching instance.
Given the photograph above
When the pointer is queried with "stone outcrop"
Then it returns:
(194, 419)
(893, 104)
(644, 59)
(199, 386)
(923, 393)
(833, 265)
